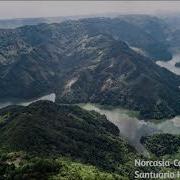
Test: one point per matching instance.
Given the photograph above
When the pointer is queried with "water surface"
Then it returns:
(49, 97)
(131, 127)
(170, 65)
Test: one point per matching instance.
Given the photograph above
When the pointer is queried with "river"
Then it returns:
(170, 65)
(131, 127)
(49, 97)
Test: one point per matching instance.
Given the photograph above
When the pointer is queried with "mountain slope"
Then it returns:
(119, 76)
(81, 63)
(49, 129)
(162, 144)
(140, 31)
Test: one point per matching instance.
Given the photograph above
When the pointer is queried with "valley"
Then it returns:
(131, 127)
(92, 64)
(83, 97)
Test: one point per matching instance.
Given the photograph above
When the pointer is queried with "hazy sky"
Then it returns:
(20, 9)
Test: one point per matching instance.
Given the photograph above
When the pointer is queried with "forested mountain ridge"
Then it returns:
(49, 141)
(83, 61)
(47, 129)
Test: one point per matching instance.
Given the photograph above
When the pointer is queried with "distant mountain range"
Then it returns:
(91, 60)
(18, 22)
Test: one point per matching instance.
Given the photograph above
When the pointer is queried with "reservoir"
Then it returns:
(170, 65)
(131, 127)
(49, 97)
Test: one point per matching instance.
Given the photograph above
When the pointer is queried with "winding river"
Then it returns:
(170, 65)
(131, 127)
(49, 97)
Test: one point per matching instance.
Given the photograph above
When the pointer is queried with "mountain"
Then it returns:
(162, 144)
(172, 22)
(14, 23)
(143, 32)
(18, 22)
(48, 129)
(122, 77)
(82, 61)
(172, 19)
(46, 141)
